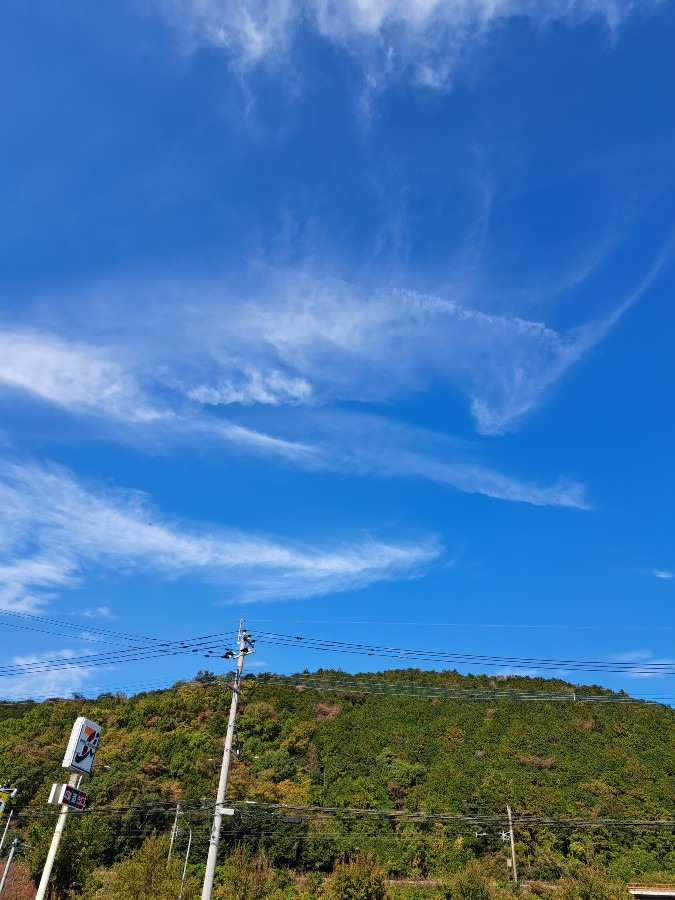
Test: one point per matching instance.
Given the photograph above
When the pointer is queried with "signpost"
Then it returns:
(78, 759)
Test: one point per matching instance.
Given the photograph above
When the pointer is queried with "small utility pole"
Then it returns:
(187, 857)
(173, 834)
(15, 844)
(4, 833)
(245, 647)
(513, 846)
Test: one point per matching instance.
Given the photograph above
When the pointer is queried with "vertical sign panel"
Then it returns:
(82, 746)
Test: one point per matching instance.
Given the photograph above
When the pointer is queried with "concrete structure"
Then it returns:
(652, 890)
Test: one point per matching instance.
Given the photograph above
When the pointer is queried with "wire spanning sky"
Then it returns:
(352, 318)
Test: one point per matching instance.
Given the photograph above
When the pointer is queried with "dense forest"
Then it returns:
(388, 784)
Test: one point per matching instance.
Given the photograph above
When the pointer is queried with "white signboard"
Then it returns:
(82, 746)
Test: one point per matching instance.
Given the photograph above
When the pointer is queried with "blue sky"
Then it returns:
(326, 313)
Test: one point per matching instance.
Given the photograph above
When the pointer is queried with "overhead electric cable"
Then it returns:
(73, 626)
(209, 645)
(320, 644)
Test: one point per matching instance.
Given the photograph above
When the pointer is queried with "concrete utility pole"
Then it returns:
(173, 834)
(4, 833)
(15, 844)
(513, 846)
(185, 865)
(74, 782)
(245, 647)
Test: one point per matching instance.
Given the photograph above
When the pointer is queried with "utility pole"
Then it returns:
(513, 846)
(187, 857)
(245, 647)
(15, 844)
(4, 833)
(173, 834)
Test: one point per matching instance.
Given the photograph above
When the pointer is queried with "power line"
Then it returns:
(556, 626)
(362, 685)
(312, 813)
(420, 691)
(73, 626)
(411, 655)
(209, 645)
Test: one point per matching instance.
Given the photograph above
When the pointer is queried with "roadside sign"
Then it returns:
(65, 795)
(74, 798)
(82, 746)
(4, 797)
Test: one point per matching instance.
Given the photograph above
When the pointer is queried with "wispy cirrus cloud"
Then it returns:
(295, 338)
(663, 574)
(102, 382)
(312, 345)
(349, 343)
(376, 447)
(78, 530)
(252, 387)
(71, 374)
(423, 41)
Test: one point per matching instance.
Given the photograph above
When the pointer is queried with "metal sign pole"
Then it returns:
(4, 833)
(79, 758)
(58, 831)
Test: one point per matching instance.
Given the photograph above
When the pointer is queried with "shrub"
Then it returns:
(247, 876)
(360, 878)
(588, 883)
(143, 876)
(470, 884)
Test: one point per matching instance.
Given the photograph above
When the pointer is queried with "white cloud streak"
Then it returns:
(78, 530)
(375, 447)
(315, 343)
(62, 682)
(99, 612)
(72, 375)
(267, 388)
(663, 574)
(294, 338)
(423, 41)
(308, 342)
(640, 658)
(303, 341)
(346, 343)
(102, 383)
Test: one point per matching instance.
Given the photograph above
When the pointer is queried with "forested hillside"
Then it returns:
(407, 765)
